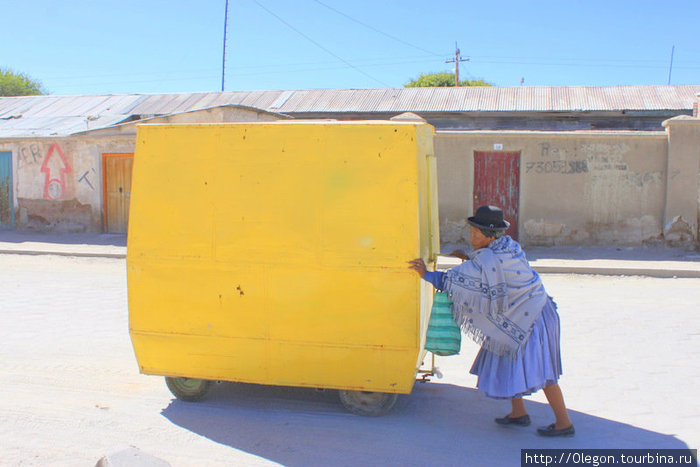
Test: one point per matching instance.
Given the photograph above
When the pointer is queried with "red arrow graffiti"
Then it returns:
(55, 182)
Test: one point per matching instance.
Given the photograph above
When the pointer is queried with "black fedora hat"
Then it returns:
(489, 217)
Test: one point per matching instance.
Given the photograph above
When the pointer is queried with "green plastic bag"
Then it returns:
(444, 336)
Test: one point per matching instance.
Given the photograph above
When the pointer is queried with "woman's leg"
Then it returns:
(518, 416)
(518, 408)
(556, 401)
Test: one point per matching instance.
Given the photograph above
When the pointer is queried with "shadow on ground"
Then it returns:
(438, 424)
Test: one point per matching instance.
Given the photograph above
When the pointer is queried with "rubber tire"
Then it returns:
(368, 404)
(188, 389)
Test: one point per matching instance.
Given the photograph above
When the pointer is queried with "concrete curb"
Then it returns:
(79, 254)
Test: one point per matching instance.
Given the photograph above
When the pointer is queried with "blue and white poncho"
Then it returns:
(497, 297)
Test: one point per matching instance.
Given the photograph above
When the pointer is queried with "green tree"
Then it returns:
(442, 80)
(18, 84)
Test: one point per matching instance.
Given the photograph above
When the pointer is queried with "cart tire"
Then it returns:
(188, 389)
(368, 404)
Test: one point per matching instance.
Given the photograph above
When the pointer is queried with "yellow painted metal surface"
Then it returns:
(276, 253)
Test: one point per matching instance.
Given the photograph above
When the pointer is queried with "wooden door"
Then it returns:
(7, 205)
(497, 182)
(116, 171)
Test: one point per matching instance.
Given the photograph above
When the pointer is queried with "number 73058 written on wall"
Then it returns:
(559, 167)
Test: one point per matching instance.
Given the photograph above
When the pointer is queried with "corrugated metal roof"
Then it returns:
(64, 115)
(489, 99)
(53, 126)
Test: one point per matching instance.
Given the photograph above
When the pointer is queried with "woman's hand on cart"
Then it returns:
(418, 265)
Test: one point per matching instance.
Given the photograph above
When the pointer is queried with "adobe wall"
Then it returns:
(58, 181)
(576, 188)
(682, 204)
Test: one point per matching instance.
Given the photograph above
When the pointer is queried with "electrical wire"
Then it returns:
(377, 30)
(183, 75)
(325, 49)
(580, 65)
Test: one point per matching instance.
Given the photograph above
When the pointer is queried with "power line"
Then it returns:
(328, 68)
(458, 58)
(182, 75)
(622, 62)
(616, 60)
(583, 65)
(166, 75)
(319, 45)
(397, 39)
(212, 73)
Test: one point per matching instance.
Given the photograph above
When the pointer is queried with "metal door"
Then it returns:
(116, 169)
(7, 207)
(497, 182)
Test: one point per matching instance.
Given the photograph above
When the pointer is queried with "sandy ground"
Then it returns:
(71, 391)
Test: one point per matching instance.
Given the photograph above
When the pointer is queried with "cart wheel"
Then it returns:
(368, 404)
(188, 389)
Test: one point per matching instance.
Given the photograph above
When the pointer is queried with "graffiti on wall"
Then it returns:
(557, 160)
(601, 161)
(557, 167)
(85, 178)
(605, 159)
(29, 155)
(631, 179)
(55, 167)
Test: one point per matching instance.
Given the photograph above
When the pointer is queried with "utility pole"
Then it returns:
(670, 67)
(458, 58)
(223, 64)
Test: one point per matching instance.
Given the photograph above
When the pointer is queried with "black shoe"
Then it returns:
(520, 421)
(551, 431)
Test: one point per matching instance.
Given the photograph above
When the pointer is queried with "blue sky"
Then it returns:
(153, 46)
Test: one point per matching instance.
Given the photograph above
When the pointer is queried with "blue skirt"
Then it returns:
(536, 365)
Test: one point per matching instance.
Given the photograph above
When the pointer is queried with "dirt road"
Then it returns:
(71, 391)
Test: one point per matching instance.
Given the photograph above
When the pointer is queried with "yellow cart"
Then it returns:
(276, 254)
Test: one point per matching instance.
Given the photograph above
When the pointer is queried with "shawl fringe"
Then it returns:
(481, 297)
(462, 317)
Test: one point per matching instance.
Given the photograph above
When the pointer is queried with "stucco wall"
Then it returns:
(576, 188)
(696, 113)
(681, 211)
(58, 181)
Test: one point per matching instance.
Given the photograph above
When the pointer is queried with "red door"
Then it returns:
(497, 182)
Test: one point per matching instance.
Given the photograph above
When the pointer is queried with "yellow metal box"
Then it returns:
(276, 253)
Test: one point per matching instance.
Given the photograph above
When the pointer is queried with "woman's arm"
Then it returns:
(459, 254)
(437, 278)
